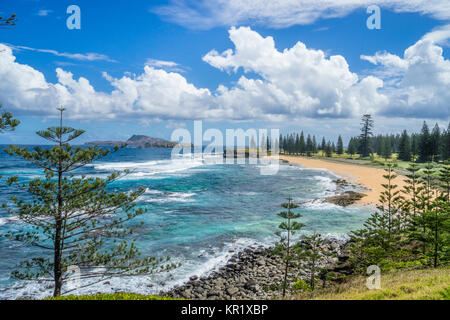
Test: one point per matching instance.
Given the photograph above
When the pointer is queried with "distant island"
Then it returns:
(137, 141)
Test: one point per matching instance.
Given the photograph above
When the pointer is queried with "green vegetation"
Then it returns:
(288, 229)
(76, 221)
(112, 296)
(410, 230)
(366, 133)
(312, 254)
(408, 233)
(426, 284)
(375, 150)
(7, 122)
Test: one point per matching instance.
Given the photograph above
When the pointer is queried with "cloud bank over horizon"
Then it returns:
(297, 82)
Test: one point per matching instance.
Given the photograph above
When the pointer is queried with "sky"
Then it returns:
(150, 67)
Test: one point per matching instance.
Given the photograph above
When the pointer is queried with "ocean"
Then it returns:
(198, 212)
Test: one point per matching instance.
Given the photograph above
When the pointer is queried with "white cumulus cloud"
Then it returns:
(294, 83)
(422, 88)
(297, 81)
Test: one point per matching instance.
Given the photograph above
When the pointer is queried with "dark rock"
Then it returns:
(232, 291)
(345, 199)
(249, 273)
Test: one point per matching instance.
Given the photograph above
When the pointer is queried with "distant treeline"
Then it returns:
(425, 146)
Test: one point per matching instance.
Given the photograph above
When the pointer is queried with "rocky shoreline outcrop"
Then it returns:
(345, 197)
(254, 273)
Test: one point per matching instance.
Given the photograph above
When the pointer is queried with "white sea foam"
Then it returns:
(157, 196)
(5, 220)
(172, 197)
(149, 168)
(318, 204)
(213, 258)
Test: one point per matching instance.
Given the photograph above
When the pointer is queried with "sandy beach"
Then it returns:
(370, 178)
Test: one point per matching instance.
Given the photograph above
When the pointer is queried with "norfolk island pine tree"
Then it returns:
(70, 216)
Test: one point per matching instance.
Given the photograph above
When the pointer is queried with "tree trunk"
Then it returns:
(57, 268)
(436, 241)
(287, 258)
(57, 261)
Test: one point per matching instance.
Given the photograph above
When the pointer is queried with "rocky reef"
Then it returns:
(345, 197)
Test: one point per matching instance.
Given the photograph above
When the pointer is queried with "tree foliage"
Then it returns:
(313, 254)
(9, 21)
(288, 229)
(75, 220)
(7, 121)
(411, 227)
(366, 132)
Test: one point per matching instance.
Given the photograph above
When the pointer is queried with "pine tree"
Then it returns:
(390, 198)
(309, 146)
(7, 122)
(298, 148)
(411, 190)
(424, 147)
(425, 205)
(314, 145)
(435, 141)
(72, 216)
(340, 146)
(302, 144)
(386, 152)
(445, 144)
(444, 180)
(352, 147)
(313, 254)
(329, 150)
(378, 242)
(414, 145)
(436, 218)
(404, 147)
(366, 133)
(323, 146)
(438, 227)
(288, 227)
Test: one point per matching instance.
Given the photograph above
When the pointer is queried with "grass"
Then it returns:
(112, 296)
(376, 161)
(428, 284)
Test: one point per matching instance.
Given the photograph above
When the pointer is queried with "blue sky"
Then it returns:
(121, 37)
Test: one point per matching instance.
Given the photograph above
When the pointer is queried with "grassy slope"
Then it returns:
(428, 284)
(115, 296)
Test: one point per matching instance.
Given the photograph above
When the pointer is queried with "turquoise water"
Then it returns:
(199, 213)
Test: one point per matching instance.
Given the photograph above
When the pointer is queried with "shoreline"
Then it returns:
(368, 177)
(252, 274)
